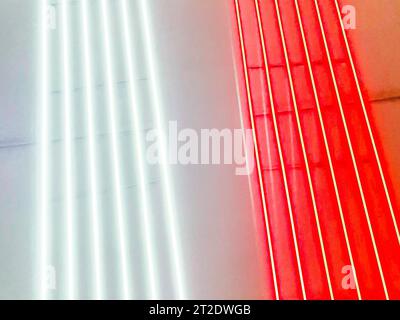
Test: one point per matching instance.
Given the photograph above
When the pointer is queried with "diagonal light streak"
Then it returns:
(171, 212)
(371, 135)
(116, 152)
(331, 168)
(280, 153)
(256, 150)
(97, 245)
(366, 211)
(303, 148)
(44, 156)
(140, 169)
(68, 151)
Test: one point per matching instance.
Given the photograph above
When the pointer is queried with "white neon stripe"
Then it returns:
(98, 274)
(258, 162)
(327, 147)
(172, 223)
(141, 171)
(294, 99)
(68, 151)
(44, 158)
(371, 135)
(116, 161)
(351, 150)
(285, 182)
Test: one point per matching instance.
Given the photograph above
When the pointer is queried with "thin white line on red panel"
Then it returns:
(327, 146)
(300, 130)
(371, 135)
(140, 169)
(171, 212)
(243, 122)
(98, 274)
(274, 118)
(68, 150)
(351, 149)
(44, 157)
(260, 176)
(116, 152)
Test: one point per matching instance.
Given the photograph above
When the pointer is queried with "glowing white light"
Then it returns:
(116, 162)
(328, 153)
(68, 149)
(166, 179)
(43, 205)
(146, 215)
(93, 167)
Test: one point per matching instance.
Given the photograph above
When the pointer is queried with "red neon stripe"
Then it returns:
(338, 254)
(325, 192)
(280, 141)
(285, 262)
(375, 144)
(352, 206)
(305, 157)
(347, 95)
(381, 210)
(261, 182)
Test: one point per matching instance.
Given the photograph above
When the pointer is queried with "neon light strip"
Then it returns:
(44, 159)
(368, 123)
(243, 126)
(339, 202)
(97, 245)
(260, 177)
(274, 119)
(300, 130)
(351, 149)
(68, 149)
(146, 215)
(166, 179)
(112, 107)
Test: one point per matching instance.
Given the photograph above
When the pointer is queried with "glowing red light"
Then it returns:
(325, 194)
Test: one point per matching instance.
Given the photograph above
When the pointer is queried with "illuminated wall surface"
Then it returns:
(83, 215)
(325, 196)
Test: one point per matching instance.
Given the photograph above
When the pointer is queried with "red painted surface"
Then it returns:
(324, 191)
